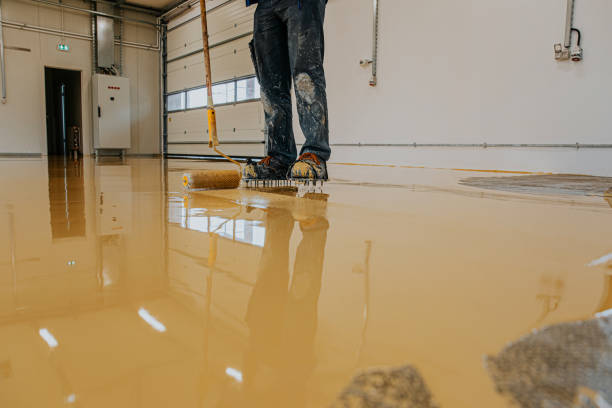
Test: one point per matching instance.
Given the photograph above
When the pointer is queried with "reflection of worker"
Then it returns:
(282, 316)
(288, 45)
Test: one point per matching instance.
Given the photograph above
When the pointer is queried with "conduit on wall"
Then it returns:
(373, 61)
(374, 80)
(565, 51)
(569, 23)
(62, 33)
(2, 64)
(97, 13)
(78, 36)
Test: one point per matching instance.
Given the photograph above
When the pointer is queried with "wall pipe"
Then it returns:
(78, 36)
(2, 61)
(187, 5)
(134, 7)
(97, 13)
(164, 89)
(374, 79)
(569, 23)
(94, 37)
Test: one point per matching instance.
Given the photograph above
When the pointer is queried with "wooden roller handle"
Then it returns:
(212, 122)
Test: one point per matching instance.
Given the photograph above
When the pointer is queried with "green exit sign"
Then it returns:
(63, 47)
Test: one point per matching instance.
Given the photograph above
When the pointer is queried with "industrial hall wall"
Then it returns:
(32, 33)
(453, 74)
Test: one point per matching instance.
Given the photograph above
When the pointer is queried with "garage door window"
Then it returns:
(176, 102)
(224, 93)
(196, 98)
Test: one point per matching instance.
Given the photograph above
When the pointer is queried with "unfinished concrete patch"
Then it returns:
(566, 365)
(566, 184)
(401, 387)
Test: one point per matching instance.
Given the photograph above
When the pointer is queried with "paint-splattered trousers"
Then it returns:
(288, 46)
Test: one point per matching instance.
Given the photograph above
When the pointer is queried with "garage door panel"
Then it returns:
(185, 39)
(230, 21)
(232, 60)
(241, 122)
(254, 150)
(224, 23)
(189, 126)
(245, 116)
(185, 73)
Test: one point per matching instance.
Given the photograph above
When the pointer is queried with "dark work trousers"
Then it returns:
(288, 45)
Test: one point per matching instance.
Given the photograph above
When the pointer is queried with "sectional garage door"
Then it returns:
(240, 117)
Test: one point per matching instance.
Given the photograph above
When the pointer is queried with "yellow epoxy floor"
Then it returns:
(119, 289)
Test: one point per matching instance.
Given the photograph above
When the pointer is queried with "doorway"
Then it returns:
(64, 121)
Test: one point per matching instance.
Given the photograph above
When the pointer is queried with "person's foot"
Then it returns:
(269, 168)
(308, 167)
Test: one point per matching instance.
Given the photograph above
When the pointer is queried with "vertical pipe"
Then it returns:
(94, 42)
(164, 57)
(121, 43)
(374, 80)
(569, 23)
(2, 64)
(63, 117)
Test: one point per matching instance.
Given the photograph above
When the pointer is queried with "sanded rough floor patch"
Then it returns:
(558, 366)
(401, 387)
(565, 184)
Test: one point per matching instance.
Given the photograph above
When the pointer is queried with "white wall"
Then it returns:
(22, 118)
(462, 72)
(468, 72)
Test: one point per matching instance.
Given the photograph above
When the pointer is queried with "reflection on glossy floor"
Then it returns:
(119, 289)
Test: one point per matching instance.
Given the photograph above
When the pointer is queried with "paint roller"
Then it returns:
(212, 179)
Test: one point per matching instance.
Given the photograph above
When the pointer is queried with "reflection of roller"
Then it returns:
(608, 196)
(209, 203)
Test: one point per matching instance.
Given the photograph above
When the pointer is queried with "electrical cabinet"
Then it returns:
(111, 112)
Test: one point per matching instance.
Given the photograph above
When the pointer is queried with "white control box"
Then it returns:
(111, 112)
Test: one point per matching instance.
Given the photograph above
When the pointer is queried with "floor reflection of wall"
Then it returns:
(113, 199)
(259, 301)
(606, 301)
(85, 289)
(66, 198)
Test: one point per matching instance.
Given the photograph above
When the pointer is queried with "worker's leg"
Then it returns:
(267, 305)
(306, 49)
(271, 61)
(302, 310)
